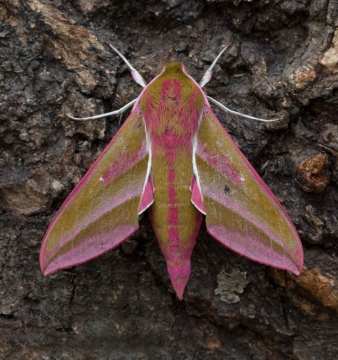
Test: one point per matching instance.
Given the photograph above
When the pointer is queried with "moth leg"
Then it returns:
(224, 108)
(134, 73)
(115, 112)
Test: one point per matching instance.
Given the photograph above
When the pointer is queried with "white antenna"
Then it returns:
(224, 108)
(208, 74)
(134, 73)
(115, 112)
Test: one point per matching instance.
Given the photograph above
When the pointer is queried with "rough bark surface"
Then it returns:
(54, 60)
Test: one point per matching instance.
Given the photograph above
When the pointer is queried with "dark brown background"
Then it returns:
(53, 60)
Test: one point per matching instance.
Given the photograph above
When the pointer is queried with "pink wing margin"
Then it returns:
(241, 211)
(103, 209)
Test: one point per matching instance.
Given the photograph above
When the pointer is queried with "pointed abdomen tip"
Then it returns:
(179, 276)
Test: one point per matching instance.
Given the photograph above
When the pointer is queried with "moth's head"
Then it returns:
(175, 69)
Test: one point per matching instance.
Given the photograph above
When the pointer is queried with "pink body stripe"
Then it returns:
(171, 124)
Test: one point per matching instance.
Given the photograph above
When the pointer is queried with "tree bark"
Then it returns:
(54, 60)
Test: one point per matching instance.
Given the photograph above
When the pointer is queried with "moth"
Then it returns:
(173, 157)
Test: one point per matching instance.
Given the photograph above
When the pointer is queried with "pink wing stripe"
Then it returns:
(196, 196)
(89, 249)
(122, 195)
(221, 163)
(249, 244)
(252, 248)
(122, 164)
(225, 199)
(106, 207)
(203, 154)
(114, 187)
(147, 196)
(228, 202)
(254, 174)
(140, 154)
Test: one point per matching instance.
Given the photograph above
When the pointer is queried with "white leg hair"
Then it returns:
(224, 108)
(139, 79)
(115, 112)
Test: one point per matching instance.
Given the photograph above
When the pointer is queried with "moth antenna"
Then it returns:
(224, 108)
(134, 73)
(115, 112)
(208, 74)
